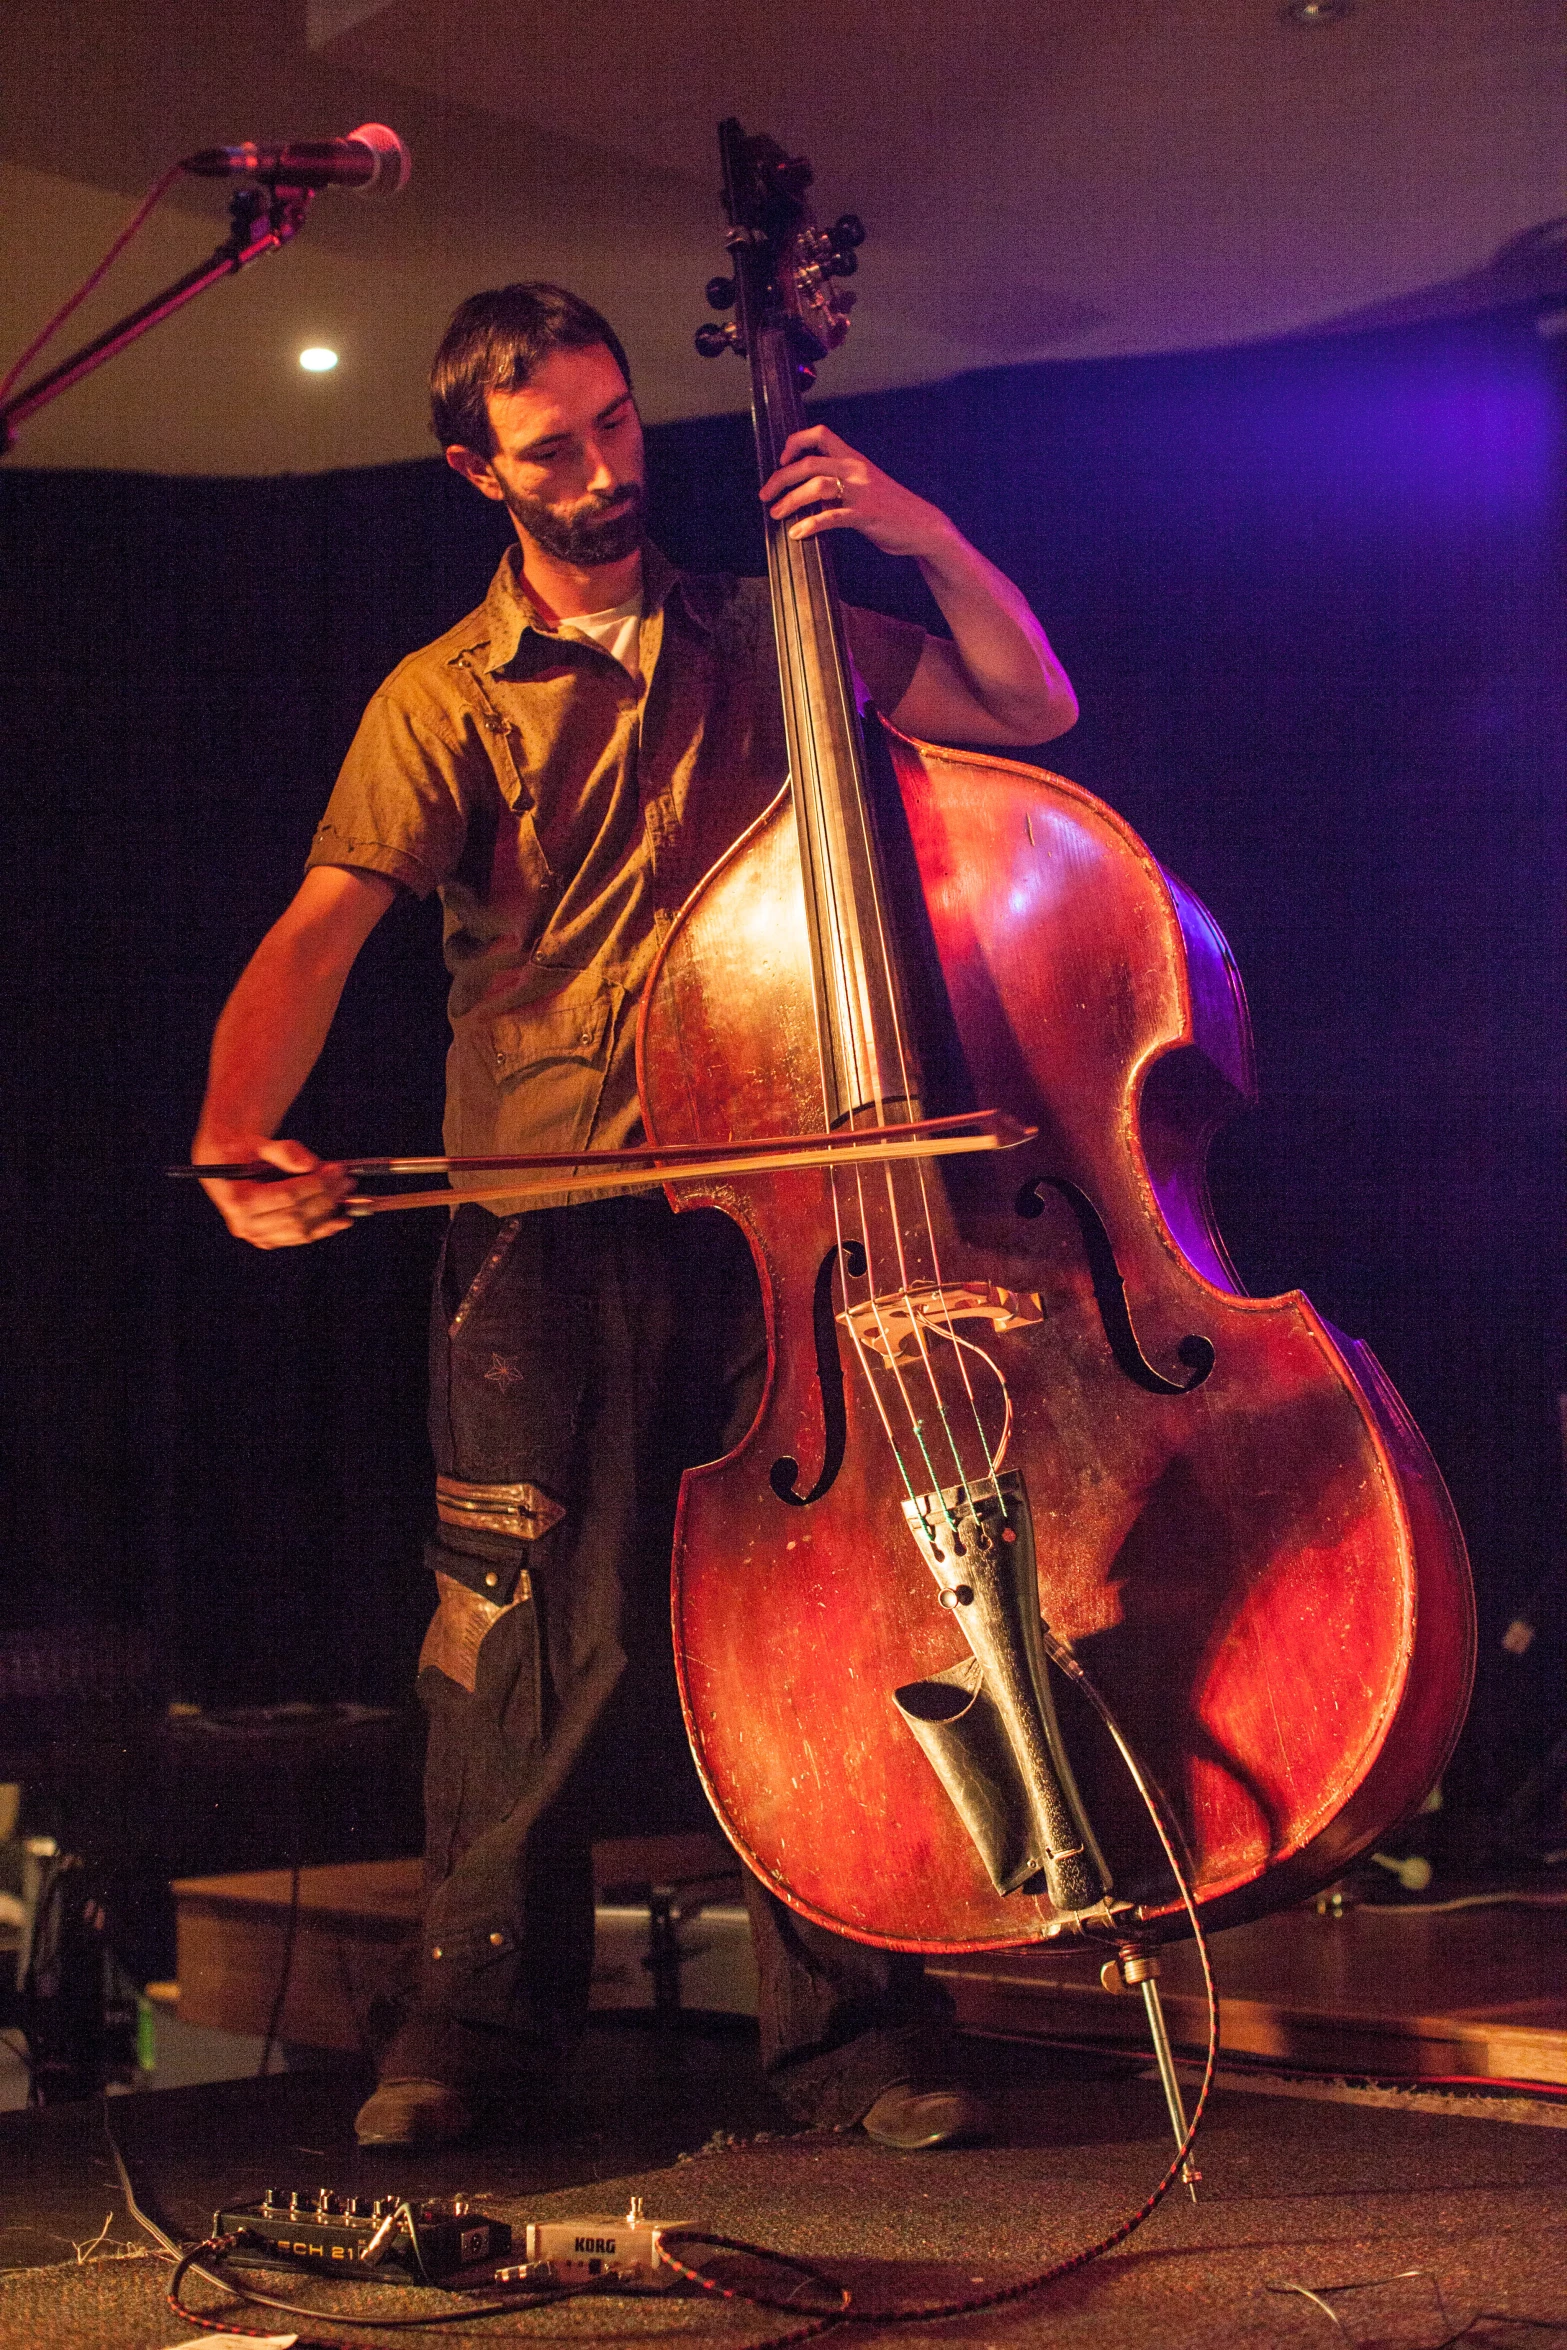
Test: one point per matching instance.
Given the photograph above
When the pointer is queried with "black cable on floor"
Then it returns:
(221, 2247)
(847, 2311)
(286, 1969)
(165, 2242)
(1170, 1837)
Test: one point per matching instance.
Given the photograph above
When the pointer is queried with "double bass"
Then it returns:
(1020, 1415)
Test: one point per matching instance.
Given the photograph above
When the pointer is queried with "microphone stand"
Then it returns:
(261, 220)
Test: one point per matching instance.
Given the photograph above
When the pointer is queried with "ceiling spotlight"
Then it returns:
(318, 360)
(1316, 11)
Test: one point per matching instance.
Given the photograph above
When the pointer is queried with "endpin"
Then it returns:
(1135, 1964)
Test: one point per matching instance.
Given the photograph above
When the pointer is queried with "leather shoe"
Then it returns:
(414, 2113)
(911, 2118)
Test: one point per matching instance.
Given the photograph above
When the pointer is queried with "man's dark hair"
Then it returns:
(494, 343)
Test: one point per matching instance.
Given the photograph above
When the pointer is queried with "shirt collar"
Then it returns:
(509, 610)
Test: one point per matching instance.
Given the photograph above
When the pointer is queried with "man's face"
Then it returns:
(567, 460)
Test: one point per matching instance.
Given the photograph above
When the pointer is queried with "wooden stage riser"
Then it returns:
(231, 1961)
(1478, 1992)
(1381, 2046)
(229, 1969)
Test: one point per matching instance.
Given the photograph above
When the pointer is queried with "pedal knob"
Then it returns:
(359, 2207)
(273, 2199)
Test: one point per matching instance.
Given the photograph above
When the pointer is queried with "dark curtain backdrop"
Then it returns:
(1311, 596)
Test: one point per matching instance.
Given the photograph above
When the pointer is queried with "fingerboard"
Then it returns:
(858, 1012)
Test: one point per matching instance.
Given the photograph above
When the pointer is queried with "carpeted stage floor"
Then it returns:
(1297, 2189)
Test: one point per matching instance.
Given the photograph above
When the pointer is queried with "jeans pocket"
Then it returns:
(508, 1370)
(481, 1686)
(464, 1619)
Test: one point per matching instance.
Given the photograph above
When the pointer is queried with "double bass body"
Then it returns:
(1016, 1398)
(1236, 1527)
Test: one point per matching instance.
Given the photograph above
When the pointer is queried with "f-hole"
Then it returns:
(784, 1474)
(1194, 1352)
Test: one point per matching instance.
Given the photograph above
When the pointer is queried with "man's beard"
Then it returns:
(589, 537)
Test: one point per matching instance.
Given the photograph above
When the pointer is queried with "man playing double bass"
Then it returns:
(563, 767)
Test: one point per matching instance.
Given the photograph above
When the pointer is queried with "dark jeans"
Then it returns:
(580, 1358)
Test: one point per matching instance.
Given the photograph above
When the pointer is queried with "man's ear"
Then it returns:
(474, 468)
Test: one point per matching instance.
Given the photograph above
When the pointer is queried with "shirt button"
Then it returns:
(491, 1581)
(437, 1951)
(497, 1941)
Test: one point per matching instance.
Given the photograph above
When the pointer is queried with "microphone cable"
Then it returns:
(159, 188)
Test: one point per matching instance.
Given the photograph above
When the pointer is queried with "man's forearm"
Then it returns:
(268, 1039)
(998, 681)
(1005, 656)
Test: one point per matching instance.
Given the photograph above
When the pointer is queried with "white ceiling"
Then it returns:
(1041, 179)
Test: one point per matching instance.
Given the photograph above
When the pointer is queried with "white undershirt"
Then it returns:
(616, 629)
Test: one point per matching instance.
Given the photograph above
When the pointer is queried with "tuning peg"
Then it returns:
(843, 264)
(848, 230)
(711, 339)
(721, 293)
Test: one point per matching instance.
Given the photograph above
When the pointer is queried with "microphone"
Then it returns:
(372, 160)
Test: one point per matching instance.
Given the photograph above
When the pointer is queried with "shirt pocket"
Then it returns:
(545, 1065)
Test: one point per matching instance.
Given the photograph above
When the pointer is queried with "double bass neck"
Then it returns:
(862, 1030)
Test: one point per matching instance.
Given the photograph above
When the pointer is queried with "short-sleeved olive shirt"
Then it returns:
(565, 814)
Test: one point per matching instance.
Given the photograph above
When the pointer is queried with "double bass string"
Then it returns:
(799, 590)
(894, 1212)
(801, 559)
(915, 1418)
(807, 555)
(790, 581)
(805, 766)
(859, 812)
